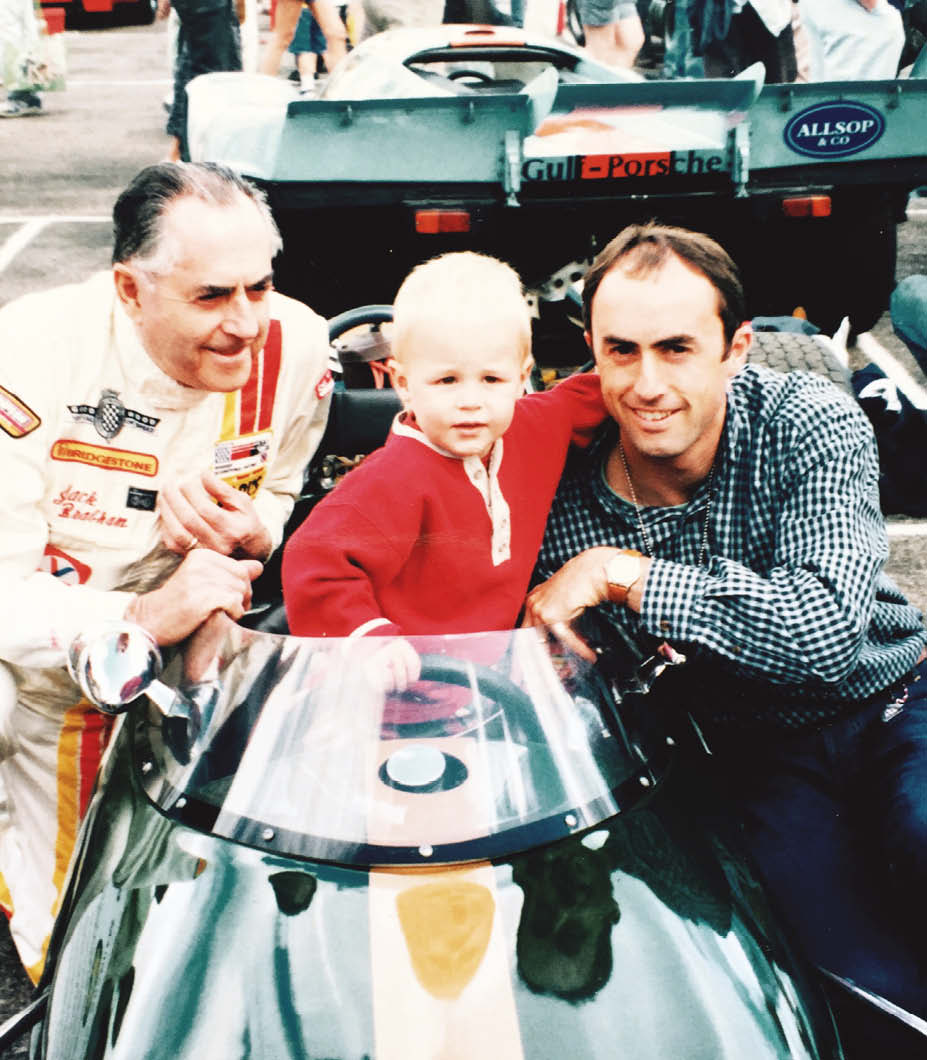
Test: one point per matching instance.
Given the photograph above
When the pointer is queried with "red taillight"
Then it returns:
(807, 206)
(497, 36)
(437, 222)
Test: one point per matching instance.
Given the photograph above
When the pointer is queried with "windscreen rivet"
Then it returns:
(426, 850)
(570, 820)
(645, 782)
(267, 834)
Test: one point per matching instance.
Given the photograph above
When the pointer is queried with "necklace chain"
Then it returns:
(645, 533)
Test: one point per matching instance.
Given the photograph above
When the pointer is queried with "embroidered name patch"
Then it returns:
(16, 418)
(102, 456)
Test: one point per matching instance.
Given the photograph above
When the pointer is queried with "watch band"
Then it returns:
(618, 590)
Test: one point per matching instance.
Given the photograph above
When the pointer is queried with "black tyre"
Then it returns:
(787, 351)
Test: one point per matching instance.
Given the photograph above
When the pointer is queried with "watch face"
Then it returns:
(623, 569)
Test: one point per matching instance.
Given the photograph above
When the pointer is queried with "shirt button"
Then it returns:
(664, 625)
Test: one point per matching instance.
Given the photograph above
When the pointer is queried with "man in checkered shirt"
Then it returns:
(733, 512)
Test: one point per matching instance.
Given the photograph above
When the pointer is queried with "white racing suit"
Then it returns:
(90, 430)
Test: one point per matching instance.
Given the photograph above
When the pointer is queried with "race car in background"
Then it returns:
(519, 145)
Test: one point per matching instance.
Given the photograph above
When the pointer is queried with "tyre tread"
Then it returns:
(788, 351)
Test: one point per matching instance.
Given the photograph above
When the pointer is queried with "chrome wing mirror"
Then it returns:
(114, 664)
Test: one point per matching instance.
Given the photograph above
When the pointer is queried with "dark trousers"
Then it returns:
(749, 41)
(836, 822)
(209, 40)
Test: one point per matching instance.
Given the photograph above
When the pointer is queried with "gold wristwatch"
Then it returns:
(622, 572)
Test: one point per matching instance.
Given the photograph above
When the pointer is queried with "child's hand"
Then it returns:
(393, 666)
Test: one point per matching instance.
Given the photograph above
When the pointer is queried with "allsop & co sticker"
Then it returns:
(834, 130)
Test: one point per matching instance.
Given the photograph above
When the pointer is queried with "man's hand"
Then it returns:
(164, 8)
(580, 583)
(206, 511)
(203, 583)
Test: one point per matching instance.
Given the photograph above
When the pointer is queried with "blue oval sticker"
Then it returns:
(833, 130)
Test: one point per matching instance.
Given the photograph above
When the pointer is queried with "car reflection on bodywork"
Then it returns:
(283, 861)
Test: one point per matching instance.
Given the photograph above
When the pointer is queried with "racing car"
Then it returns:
(517, 144)
(285, 860)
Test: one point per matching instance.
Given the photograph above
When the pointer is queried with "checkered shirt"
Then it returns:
(791, 619)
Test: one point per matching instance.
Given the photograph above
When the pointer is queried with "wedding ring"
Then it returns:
(194, 541)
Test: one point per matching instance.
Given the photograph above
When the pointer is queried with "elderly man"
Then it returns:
(156, 421)
(749, 500)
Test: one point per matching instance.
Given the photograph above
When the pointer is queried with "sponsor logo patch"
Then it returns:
(834, 130)
(109, 416)
(325, 385)
(16, 418)
(65, 568)
(69, 449)
(142, 500)
(241, 462)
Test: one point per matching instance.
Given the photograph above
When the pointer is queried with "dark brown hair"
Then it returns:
(642, 249)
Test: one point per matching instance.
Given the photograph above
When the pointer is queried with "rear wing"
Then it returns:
(573, 139)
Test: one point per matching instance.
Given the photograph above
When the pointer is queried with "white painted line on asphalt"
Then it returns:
(159, 82)
(29, 228)
(906, 529)
(896, 372)
(20, 238)
(58, 219)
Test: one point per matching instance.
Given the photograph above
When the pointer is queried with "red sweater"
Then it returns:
(406, 542)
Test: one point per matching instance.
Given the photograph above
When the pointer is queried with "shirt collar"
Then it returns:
(143, 374)
(483, 477)
(406, 427)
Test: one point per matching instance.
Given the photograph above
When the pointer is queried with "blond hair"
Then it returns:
(459, 288)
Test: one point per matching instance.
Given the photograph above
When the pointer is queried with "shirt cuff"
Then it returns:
(669, 606)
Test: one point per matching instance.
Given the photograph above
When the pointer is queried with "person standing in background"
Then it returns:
(613, 29)
(286, 19)
(208, 40)
(19, 66)
(853, 40)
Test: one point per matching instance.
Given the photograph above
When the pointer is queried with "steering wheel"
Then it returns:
(475, 75)
(352, 318)
(447, 670)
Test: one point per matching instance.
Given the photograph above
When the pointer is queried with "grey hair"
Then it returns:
(140, 209)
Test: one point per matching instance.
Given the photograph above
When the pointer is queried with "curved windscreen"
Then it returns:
(301, 745)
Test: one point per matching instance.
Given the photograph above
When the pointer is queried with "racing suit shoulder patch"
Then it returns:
(325, 385)
(16, 418)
